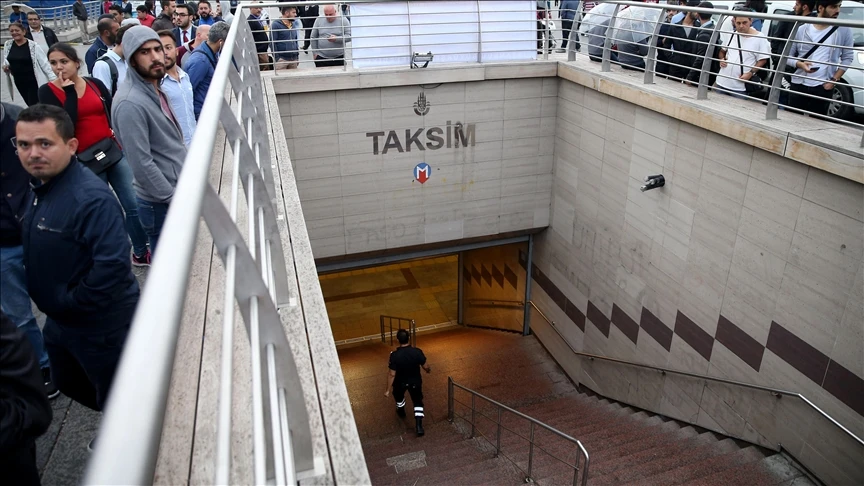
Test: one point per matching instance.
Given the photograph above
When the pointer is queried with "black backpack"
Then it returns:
(113, 68)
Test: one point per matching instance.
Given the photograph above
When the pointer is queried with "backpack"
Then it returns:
(113, 68)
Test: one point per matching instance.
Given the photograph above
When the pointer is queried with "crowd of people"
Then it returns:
(89, 170)
(744, 59)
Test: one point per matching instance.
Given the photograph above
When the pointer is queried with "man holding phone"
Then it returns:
(814, 55)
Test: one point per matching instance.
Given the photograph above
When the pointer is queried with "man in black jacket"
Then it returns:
(76, 254)
(307, 15)
(703, 37)
(165, 21)
(39, 33)
(80, 13)
(14, 297)
(25, 413)
(259, 35)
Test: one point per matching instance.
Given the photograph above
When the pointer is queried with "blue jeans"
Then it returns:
(119, 176)
(152, 216)
(15, 301)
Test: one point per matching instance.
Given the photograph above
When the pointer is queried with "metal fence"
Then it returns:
(642, 37)
(60, 18)
(255, 280)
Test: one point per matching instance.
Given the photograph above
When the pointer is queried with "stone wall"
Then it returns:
(746, 266)
(355, 162)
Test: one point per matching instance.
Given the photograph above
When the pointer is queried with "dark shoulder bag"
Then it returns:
(105, 153)
(753, 86)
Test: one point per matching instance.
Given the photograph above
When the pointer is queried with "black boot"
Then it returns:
(400, 411)
(420, 430)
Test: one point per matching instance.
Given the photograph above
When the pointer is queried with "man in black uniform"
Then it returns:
(405, 365)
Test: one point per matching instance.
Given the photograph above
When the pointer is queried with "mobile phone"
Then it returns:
(814, 69)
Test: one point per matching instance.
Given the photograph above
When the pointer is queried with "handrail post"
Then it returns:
(574, 30)
(450, 399)
(705, 74)
(576, 469)
(651, 57)
(530, 451)
(779, 69)
(498, 434)
(473, 414)
(607, 42)
(548, 43)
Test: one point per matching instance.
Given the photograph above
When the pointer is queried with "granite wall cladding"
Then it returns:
(356, 200)
(745, 266)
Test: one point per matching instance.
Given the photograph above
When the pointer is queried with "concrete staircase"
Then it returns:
(626, 446)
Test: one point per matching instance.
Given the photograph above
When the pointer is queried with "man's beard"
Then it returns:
(169, 64)
(146, 73)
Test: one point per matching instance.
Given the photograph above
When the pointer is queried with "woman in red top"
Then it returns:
(88, 103)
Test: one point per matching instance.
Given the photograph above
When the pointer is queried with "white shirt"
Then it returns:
(102, 71)
(182, 100)
(753, 49)
(39, 38)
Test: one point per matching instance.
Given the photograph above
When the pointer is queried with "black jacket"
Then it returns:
(50, 36)
(681, 60)
(178, 34)
(25, 412)
(307, 15)
(79, 11)
(76, 250)
(703, 37)
(14, 181)
(259, 35)
(163, 22)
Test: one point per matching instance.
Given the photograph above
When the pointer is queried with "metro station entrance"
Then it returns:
(483, 286)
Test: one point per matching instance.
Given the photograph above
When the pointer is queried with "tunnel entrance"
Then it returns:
(481, 286)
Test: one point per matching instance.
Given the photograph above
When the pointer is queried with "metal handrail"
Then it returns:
(775, 391)
(412, 328)
(500, 407)
(255, 279)
(496, 302)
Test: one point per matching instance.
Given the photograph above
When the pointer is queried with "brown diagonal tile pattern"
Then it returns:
(694, 335)
(656, 329)
(842, 383)
(846, 386)
(740, 343)
(798, 353)
(623, 322)
(599, 319)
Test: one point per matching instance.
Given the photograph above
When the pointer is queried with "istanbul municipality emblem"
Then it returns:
(422, 172)
(421, 106)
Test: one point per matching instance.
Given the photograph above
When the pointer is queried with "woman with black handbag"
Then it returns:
(88, 103)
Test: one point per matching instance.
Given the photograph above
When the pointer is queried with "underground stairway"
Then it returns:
(626, 445)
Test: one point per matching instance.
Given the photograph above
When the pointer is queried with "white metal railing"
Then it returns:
(634, 41)
(60, 18)
(634, 38)
(255, 279)
(500, 409)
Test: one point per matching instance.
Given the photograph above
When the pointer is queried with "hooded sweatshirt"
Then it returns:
(147, 128)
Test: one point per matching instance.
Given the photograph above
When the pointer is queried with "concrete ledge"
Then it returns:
(335, 80)
(828, 146)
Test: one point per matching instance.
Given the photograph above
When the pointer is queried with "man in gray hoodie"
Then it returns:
(329, 36)
(148, 129)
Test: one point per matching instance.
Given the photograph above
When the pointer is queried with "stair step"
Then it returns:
(458, 475)
(774, 469)
(686, 474)
(609, 461)
(665, 460)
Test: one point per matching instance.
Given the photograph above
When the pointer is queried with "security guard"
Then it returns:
(405, 365)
